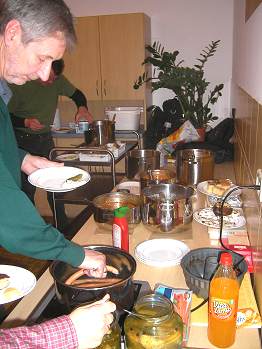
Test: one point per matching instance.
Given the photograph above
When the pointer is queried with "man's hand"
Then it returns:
(32, 163)
(33, 124)
(92, 322)
(83, 113)
(94, 263)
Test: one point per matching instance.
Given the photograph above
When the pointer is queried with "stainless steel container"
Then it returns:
(194, 166)
(140, 160)
(104, 132)
(166, 206)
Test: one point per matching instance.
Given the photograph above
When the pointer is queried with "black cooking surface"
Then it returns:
(54, 308)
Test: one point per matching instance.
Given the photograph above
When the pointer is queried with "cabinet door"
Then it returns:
(122, 47)
(82, 66)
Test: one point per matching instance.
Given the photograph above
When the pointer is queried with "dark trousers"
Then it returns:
(39, 144)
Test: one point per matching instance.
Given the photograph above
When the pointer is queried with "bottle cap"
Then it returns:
(121, 211)
(226, 258)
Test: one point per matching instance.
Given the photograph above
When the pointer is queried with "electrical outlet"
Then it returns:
(259, 182)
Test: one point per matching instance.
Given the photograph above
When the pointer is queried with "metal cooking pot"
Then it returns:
(194, 166)
(152, 177)
(105, 204)
(122, 292)
(166, 206)
(103, 131)
(140, 160)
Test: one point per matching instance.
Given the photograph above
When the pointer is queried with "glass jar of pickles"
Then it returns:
(112, 340)
(156, 325)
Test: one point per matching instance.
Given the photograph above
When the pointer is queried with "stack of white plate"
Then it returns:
(161, 252)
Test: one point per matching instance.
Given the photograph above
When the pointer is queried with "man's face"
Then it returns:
(33, 60)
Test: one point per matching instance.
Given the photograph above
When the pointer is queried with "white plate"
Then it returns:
(234, 201)
(54, 178)
(161, 252)
(132, 186)
(207, 217)
(68, 157)
(202, 187)
(21, 279)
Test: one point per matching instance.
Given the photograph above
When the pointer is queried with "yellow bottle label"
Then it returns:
(222, 309)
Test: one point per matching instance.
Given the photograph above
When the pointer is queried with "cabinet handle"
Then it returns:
(105, 87)
(97, 93)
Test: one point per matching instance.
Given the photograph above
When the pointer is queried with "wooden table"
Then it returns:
(194, 235)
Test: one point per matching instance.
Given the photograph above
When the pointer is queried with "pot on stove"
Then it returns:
(166, 206)
(121, 292)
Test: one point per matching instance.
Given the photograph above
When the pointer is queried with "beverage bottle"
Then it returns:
(120, 229)
(223, 303)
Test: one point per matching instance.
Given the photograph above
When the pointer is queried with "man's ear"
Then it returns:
(13, 32)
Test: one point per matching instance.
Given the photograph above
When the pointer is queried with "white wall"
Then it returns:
(247, 59)
(185, 25)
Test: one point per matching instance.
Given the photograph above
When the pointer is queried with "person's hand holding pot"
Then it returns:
(92, 322)
(94, 263)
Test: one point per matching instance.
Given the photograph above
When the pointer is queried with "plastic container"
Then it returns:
(223, 303)
(126, 118)
(160, 326)
(120, 228)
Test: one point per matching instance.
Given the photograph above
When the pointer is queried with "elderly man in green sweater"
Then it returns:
(33, 33)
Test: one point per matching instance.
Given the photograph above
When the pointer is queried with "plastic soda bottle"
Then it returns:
(223, 303)
(120, 229)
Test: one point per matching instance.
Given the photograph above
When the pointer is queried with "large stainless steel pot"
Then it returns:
(152, 177)
(194, 166)
(166, 206)
(105, 204)
(122, 292)
(140, 160)
(104, 132)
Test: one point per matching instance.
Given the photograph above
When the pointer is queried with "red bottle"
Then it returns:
(120, 229)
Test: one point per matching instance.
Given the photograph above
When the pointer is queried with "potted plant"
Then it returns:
(188, 84)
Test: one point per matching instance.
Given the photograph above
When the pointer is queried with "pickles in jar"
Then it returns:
(112, 340)
(161, 328)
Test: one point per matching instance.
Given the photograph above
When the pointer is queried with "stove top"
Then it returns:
(50, 307)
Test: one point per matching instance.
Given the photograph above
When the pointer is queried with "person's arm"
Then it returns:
(79, 98)
(82, 112)
(23, 231)
(83, 328)
(31, 123)
(58, 333)
(17, 121)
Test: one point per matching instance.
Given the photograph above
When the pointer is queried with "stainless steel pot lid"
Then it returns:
(170, 192)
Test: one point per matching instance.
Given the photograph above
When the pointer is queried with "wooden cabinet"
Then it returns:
(107, 60)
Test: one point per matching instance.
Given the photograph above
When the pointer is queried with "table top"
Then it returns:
(194, 235)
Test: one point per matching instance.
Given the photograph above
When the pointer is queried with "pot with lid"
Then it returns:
(166, 206)
(151, 177)
(121, 292)
(194, 166)
(140, 160)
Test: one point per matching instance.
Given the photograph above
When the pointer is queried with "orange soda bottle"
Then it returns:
(223, 303)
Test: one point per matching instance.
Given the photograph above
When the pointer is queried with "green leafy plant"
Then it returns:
(188, 84)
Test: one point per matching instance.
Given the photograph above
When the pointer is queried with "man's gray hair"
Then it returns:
(38, 19)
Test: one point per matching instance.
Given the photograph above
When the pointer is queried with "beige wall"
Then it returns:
(248, 158)
(247, 99)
